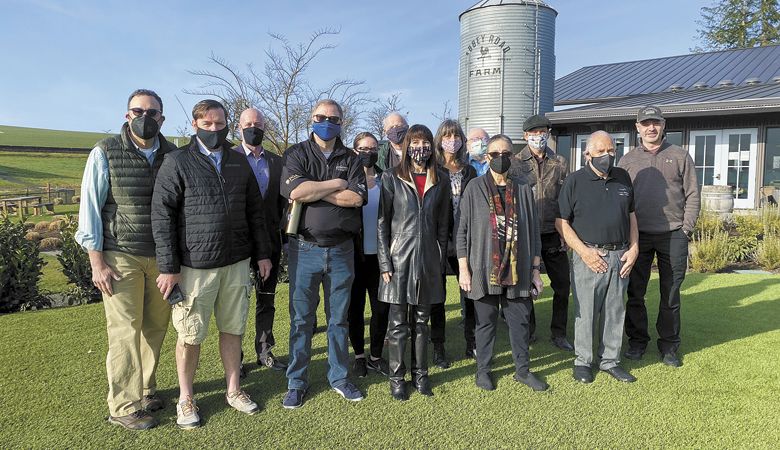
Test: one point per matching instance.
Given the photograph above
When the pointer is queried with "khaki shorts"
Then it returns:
(224, 290)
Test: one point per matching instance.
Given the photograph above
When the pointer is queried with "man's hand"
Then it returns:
(628, 258)
(264, 268)
(386, 276)
(536, 279)
(594, 259)
(166, 282)
(102, 274)
(340, 183)
(464, 280)
(564, 247)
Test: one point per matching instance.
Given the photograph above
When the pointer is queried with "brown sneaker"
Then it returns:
(139, 420)
(152, 403)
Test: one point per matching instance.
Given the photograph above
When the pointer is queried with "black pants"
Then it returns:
(438, 318)
(671, 249)
(265, 309)
(401, 319)
(556, 263)
(517, 312)
(367, 280)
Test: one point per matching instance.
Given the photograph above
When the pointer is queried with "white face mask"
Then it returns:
(537, 141)
(478, 148)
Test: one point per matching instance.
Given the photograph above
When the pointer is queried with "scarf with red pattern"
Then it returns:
(503, 258)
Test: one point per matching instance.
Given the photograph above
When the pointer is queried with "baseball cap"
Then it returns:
(649, 113)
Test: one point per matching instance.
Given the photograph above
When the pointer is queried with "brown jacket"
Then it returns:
(666, 189)
(546, 185)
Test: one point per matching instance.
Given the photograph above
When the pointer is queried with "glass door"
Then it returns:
(727, 158)
(621, 144)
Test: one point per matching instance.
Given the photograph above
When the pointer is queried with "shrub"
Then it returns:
(710, 252)
(41, 226)
(49, 244)
(749, 225)
(58, 201)
(770, 219)
(55, 225)
(29, 226)
(768, 252)
(20, 269)
(33, 236)
(75, 266)
(742, 247)
(76, 199)
(708, 224)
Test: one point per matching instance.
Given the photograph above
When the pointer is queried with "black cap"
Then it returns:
(649, 113)
(536, 121)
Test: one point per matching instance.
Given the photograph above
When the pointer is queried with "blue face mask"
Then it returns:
(326, 130)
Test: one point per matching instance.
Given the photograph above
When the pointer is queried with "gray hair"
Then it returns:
(328, 101)
(597, 134)
(500, 137)
(391, 114)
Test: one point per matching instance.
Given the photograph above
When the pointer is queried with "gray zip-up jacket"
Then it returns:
(666, 189)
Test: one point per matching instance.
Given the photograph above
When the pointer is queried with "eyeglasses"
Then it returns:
(498, 154)
(151, 112)
(366, 149)
(321, 118)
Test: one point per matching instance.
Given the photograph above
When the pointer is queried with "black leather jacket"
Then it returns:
(546, 186)
(413, 239)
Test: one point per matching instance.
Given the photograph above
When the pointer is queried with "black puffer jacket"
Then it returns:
(205, 219)
(413, 239)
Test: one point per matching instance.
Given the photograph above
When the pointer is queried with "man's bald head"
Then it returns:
(251, 117)
(477, 133)
(598, 141)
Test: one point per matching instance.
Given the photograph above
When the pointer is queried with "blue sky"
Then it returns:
(71, 64)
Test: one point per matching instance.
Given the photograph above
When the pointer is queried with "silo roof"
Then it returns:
(487, 3)
(743, 66)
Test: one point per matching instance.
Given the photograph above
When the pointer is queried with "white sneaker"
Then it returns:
(240, 401)
(187, 414)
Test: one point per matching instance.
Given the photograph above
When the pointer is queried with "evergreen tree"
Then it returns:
(739, 24)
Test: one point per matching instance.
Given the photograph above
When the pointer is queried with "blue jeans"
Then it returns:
(309, 266)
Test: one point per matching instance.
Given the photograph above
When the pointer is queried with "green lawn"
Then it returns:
(53, 387)
(52, 279)
(21, 170)
(41, 137)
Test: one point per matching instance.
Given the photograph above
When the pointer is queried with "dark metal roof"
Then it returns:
(608, 81)
(487, 3)
(703, 102)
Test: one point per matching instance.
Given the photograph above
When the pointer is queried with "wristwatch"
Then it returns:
(536, 267)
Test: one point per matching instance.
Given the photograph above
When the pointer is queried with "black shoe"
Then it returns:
(423, 386)
(398, 390)
(483, 381)
(583, 374)
(241, 371)
(634, 353)
(562, 343)
(270, 361)
(439, 357)
(359, 368)
(532, 382)
(620, 374)
(379, 366)
(471, 352)
(671, 359)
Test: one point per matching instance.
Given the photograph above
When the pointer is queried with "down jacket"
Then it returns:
(413, 239)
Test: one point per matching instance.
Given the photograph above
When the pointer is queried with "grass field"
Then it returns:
(41, 137)
(53, 387)
(21, 170)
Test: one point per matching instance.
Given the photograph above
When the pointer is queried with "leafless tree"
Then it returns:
(376, 115)
(446, 113)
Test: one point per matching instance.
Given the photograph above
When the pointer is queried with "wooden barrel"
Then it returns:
(718, 199)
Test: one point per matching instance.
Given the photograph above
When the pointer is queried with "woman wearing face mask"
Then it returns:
(451, 154)
(367, 269)
(498, 251)
(412, 229)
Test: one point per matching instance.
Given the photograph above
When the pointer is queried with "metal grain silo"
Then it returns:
(507, 64)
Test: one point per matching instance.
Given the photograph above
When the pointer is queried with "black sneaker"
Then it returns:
(272, 362)
(671, 359)
(634, 354)
(294, 398)
(359, 367)
(379, 366)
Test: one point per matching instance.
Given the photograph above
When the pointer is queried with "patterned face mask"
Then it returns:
(478, 148)
(451, 145)
(538, 141)
(420, 154)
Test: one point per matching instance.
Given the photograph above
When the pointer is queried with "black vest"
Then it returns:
(126, 216)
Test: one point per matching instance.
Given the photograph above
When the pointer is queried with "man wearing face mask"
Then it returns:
(327, 178)
(545, 171)
(667, 207)
(116, 230)
(208, 225)
(477, 146)
(395, 128)
(598, 222)
(267, 167)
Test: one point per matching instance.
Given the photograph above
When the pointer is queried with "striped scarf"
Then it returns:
(503, 259)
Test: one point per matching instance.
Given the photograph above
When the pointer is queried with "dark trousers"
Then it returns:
(406, 320)
(367, 281)
(671, 249)
(556, 263)
(265, 292)
(438, 318)
(517, 312)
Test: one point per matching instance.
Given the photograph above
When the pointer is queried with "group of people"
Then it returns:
(181, 234)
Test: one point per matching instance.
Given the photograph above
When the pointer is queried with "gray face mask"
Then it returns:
(537, 142)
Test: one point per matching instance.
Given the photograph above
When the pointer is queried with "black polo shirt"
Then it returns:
(598, 209)
(324, 223)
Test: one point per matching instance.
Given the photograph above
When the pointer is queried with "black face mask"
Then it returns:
(501, 164)
(603, 163)
(252, 136)
(212, 139)
(144, 127)
(367, 159)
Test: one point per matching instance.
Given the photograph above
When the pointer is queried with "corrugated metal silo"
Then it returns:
(507, 64)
